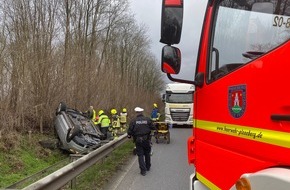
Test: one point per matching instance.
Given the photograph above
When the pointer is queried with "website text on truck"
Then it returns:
(241, 133)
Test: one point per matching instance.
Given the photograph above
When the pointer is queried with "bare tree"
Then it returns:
(88, 52)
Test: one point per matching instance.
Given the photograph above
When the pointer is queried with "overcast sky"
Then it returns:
(148, 12)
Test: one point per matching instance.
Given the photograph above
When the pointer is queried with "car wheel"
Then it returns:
(61, 107)
(72, 132)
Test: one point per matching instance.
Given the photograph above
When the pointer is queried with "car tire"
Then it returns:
(72, 132)
(61, 107)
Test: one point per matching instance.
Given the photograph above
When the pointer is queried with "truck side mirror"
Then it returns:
(163, 97)
(171, 60)
(171, 21)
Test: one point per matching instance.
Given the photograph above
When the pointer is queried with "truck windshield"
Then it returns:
(179, 98)
(244, 31)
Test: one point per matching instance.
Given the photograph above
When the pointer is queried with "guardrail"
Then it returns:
(64, 175)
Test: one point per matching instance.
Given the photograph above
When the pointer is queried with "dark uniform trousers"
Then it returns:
(143, 150)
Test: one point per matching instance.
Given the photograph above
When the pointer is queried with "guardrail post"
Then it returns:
(29, 136)
(74, 157)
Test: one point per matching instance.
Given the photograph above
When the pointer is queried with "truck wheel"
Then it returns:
(168, 138)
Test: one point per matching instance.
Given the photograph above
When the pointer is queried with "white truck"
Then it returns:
(178, 104)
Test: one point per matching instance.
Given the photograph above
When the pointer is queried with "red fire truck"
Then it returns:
(241, 124)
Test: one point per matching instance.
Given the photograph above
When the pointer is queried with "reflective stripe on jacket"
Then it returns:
(94, 117)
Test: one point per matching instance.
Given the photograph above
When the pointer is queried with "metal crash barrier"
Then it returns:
(64, 175)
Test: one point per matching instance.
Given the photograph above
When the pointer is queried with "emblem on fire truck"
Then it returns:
(237, 100)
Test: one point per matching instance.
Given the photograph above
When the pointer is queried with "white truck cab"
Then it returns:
(178, 101)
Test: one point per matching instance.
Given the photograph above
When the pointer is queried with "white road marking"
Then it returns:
(120, 179)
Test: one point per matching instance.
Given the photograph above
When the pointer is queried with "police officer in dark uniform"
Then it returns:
(140, 129)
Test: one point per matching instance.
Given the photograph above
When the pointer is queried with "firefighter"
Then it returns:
(155, 118)
(115, 122)
(123, 119)
(140, 129)
(155, 113)
(92, 115)
(104, 123)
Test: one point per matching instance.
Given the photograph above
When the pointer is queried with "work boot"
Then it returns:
(134, 151)
(143, 173)
(151, 153)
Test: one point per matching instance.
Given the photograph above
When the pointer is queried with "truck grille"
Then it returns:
(179, 115)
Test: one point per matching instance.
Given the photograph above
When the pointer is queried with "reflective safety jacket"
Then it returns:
(123, 117)
(115, 121)
(104, 121)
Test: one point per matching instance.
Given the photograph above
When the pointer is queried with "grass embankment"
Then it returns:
(21, 157)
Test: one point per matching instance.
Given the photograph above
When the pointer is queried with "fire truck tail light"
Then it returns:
(192, 143)
(243, 184)
(191, 150)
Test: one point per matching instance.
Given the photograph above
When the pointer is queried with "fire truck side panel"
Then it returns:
(241, 100)
(257, 135)
(225, 147)
(265, 95)
(221, 158)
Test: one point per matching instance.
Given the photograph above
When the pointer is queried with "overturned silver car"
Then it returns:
(77, 133)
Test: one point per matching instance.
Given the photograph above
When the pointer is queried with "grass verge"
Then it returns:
(25, 158)
(99, 174)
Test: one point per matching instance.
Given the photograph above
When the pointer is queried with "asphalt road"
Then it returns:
(169, 170)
